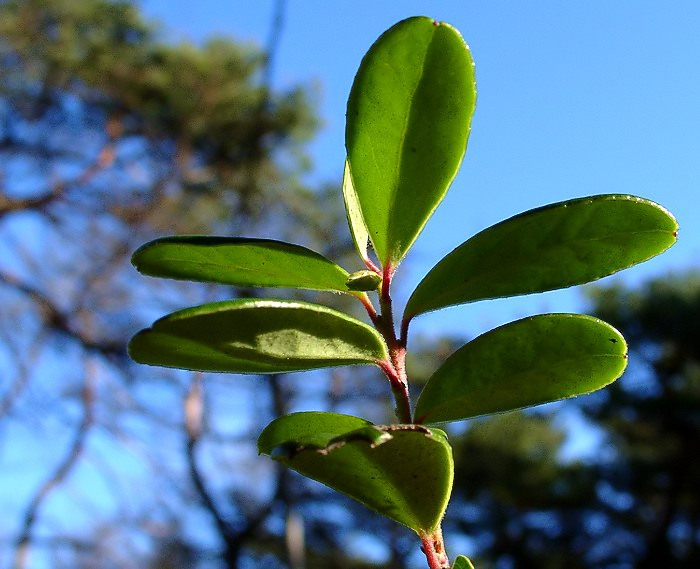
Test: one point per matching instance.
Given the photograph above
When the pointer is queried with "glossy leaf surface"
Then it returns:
(364, 281)
(531, 361)
(358, 229)
(408, 120)
(462, 562)
(240, 262)
(552, 247)
(403, 472)
(257, 336)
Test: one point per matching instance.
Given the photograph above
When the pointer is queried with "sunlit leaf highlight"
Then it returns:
(556, 246)
(462, 562)
(239, 261)
(408, 120)
(358, 229)
(258, 336)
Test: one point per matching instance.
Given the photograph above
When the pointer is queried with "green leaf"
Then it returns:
(358, 229)
(556, 246)
(257, 336)
(403, 472)
(408, 121)
(462, 562)
(364, 281)
(240, 262)
(531, 361)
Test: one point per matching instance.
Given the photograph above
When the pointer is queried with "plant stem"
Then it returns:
(367, 303)
(403, 338)
(396, 371)
(387, 312)
(434, 549)
(402, 399)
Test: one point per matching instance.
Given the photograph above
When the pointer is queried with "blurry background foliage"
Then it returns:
(110, 137)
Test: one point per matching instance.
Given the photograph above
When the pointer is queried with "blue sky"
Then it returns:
(574, 99)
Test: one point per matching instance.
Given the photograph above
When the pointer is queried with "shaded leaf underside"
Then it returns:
(527, 362)
(403, 472)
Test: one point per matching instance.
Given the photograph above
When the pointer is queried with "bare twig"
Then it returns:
(75, 451)
(24, 369)
(294, 540)
(103, 159)
(194, 412)
(56, 319)
(273, 42)
(10, 205)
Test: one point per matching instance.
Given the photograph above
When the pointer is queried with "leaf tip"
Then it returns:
(462, 562)
(136, 258)
(134, 345)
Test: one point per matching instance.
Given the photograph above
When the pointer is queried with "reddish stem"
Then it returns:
(371, 266)
(434, 549)
(395, 368)
(403, 338)
(369, 307)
